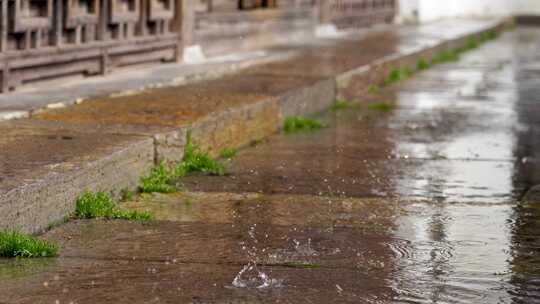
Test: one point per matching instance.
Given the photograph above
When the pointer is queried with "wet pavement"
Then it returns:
(419, 204)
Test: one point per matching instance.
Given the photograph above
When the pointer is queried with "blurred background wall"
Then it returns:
(430, 10)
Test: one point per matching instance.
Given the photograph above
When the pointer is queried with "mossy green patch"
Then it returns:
(446, 56)
(472, 43)
(228, 153)
(101, 205)
(487, 36)
(491, 35)
(14, 244)
(301, 124)
(341, 104)
(397, 75)
(374, 89)
(422, 64)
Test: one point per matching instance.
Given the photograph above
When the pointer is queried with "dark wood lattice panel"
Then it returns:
(48, 38)
(359, 13)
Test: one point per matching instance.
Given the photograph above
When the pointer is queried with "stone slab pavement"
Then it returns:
(420, 203)
(106, 143)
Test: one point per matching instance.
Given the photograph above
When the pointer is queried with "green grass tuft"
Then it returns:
(341, 105)
(380, 106)
(100, 205)
(161, 177)
(492, 35)
(197, 161)
(301, 124)
(397, 75)
(472, 43)
(159, 180)
(131, 215)
(446, 56)
(422, 64)
(303, 265)
(489, 35)
(14, 244)
(228, 153)
(374, 89)
(93, 205)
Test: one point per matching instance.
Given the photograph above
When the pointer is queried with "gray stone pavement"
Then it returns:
(64, 92)
(421, 203)
(106, 143)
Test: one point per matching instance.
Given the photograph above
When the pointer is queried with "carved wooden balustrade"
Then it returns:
(49, 38)
(41, 39)
(358, 13)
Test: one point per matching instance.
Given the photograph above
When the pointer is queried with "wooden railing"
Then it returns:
(47, 38)
(357, 13)
(40, 39)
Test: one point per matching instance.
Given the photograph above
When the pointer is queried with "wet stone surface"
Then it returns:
(48, 148)
(420, 204)
(461, 132)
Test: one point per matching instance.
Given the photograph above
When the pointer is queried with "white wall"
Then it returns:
(429, 10)
(528, 7)
(432, 10)
(408, 11)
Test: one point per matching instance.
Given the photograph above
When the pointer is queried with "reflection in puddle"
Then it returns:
(459, 254)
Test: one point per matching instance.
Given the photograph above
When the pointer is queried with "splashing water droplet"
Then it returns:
(251, 277)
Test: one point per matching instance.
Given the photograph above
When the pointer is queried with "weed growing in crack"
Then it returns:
(422, 64)
(491, 35)
(472, 43)
(197, 161)
(446, 56)
(374, 89)
(161, 178)
(15, 244)
(228, 153)
(101, 205)
(341, 104)
(298, 124)
(397, 75)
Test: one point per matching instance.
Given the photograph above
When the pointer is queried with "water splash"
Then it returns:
(252, 277)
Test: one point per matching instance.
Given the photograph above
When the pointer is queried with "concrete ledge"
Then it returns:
(308, 100)
(237, 127)
(49, 198)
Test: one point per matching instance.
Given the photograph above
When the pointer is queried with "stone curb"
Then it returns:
(33, 207)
